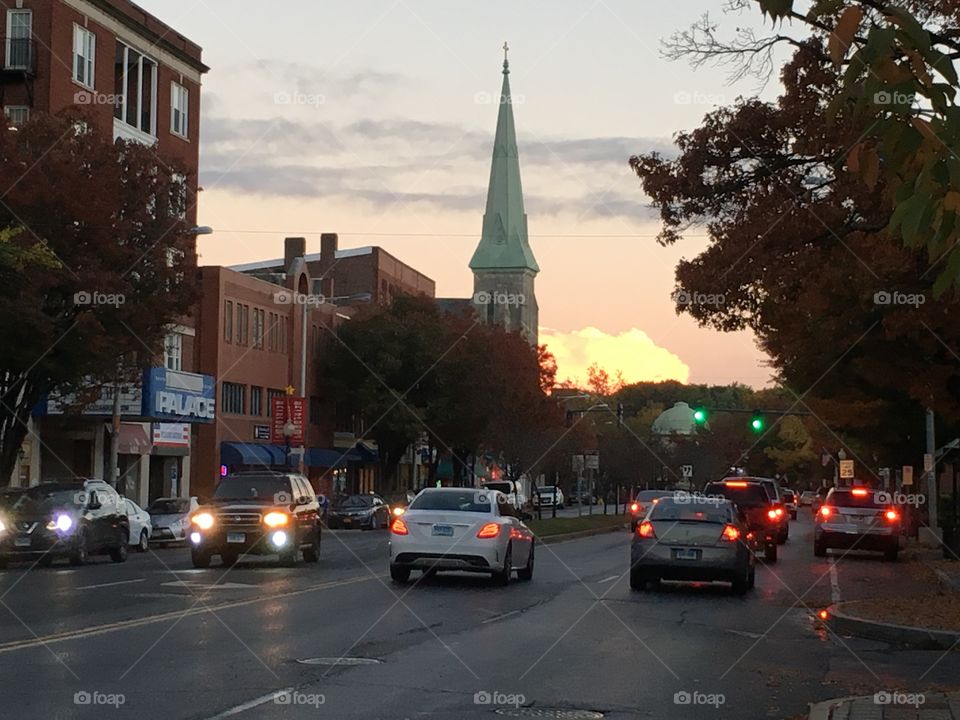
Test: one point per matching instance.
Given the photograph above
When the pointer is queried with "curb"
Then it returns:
(824, 710)
(903, 635)
(552, 539)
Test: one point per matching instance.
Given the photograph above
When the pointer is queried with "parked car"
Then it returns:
(73, 519)
(257, 513)
(547, 495)
(140, 526)
(790, 502)
(170, 519)
(641, 505)
(398, 501)
(461, 529)
(807, 497)
(584, 496)
(512, 489)
(855, 519)
(367, 512)
(756, 508)
(693, 540)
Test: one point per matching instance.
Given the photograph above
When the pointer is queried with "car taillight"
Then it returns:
(892, 515)
(825, 511)
(778, 511)
(730, 534)
(772, 514)
(634, 508)
(490, 530)
(399, 527)
(645, 529)
(515, 534)
(859, 492)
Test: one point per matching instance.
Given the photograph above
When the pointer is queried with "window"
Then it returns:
(17, 114)
(179, 110)
(232, 397)
(84, 56)
(228, 320)
(271, 394)
(173, 350)
(135, 88)
(243, 324)
(256, 400)
(258, 328)
(19, 48)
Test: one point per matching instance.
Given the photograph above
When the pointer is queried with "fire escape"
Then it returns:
(19, 65)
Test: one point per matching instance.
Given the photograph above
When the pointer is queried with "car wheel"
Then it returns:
(229, 559)
(144, 543)
(637, 579)
(119, 553)
(79, 554)
(891, 554)
(399, 574)
(312, 553)
(526, 573)
(200, 558)
(770, 553)
(503, 577)
(819, 549)
(739, 586)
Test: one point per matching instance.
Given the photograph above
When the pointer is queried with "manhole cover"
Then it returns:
(559, 713)
(347, 661)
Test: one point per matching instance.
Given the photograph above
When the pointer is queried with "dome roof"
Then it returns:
(678, 420)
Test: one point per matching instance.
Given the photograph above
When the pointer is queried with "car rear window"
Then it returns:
(844, 498)
(466, 501)
(700, 511)
(251, 487)
(748, 495)
(647, 495)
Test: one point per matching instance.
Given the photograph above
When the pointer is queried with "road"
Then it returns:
(172, 642)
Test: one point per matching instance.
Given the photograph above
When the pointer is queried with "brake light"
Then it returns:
(399, 527)
(730, 534)
(515, 534)
(825, 510)
(860, 492)
(634, 507)
(490, 530)
(778, 511)
(772, 514)
(735, 483)
(891, 515)
(656, 500)
(645, 530)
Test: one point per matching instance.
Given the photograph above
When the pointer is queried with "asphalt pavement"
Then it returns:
(153, 638)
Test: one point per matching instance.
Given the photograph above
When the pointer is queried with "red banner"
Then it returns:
(283, 410)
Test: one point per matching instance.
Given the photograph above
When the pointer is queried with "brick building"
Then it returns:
(140, 81)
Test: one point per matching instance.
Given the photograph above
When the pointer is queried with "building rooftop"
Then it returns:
(310, 257)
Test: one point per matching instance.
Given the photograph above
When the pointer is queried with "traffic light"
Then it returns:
(700, 416)
(620, 414)
(757, 423)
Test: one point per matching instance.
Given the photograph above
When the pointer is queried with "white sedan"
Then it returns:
(140, 527)
(462, 529)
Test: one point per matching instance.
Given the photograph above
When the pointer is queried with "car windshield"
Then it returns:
(463, 501)
(695, 509)
(741, 493)
(846, 498)
(647, 495)
(545, 489)
(395, 498)
(252, 487)
(169, 506)
(504, 487)
(356, 501)
(44, 497)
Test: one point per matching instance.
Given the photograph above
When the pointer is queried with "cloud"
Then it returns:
(631, 352)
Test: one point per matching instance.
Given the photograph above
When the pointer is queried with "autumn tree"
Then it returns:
(96, 261)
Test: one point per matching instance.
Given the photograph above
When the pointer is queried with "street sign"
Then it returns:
(686, 471)
(907, 475)
(846, 470)
(261, 432)
(927, 462)
(593, 462)
(577, 463)
(284, 409)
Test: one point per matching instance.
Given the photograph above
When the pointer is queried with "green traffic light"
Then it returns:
(700, 416)
(756, 424)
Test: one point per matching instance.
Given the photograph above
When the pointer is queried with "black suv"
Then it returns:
(257, 513)
(72, 519)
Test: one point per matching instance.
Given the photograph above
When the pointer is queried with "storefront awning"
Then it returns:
(256, 454)
(133, 440)
(322, 458)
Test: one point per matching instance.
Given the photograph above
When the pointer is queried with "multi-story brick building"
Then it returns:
(139, 80)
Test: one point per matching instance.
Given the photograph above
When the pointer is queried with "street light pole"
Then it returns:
(932, 493)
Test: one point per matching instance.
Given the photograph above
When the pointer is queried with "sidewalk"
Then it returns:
(890, 706)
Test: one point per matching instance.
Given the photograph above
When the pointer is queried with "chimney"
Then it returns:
(293, 248)
(329, 243)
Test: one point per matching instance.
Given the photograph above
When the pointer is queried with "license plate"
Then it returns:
(22, 542)
(443, 530)
(347, 521)
(236, 537)
(686, 554)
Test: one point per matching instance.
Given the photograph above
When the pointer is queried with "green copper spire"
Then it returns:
(503, 243)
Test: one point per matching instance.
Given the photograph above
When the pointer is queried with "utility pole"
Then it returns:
(933, 497)
(113, 472)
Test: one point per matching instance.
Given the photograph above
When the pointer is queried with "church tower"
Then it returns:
(503, 265)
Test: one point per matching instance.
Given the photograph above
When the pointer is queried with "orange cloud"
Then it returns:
(632, 353)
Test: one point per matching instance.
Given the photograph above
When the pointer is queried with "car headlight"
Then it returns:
(60, 522)
(276, 519)
(203, 520)
(3, 527)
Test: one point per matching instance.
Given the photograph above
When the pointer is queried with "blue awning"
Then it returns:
(239, 453)
(319, 457)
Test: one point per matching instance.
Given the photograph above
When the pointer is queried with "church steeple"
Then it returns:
(504, 244)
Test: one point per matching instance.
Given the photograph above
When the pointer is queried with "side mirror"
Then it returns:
(303, 500)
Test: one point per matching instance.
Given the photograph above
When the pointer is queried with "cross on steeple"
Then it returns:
(506, 61)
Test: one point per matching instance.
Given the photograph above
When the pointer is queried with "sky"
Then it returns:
(375, 120)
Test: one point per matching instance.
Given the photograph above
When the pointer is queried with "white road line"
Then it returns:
(110, 584)
(609, 579)
(834, 582)
(257, 702)
(500, 617)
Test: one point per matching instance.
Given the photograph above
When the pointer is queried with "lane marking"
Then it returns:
(500, 617)
(834, 582)
(199, 609)
(256, 702)
(111, 584)
(606, 580)
(199, 585)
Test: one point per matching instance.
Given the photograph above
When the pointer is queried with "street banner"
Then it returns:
(286, 408)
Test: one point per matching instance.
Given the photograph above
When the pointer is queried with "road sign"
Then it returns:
(593, 462)
(577, 463)
(907, 475)
(686, 471)
(927, 462)
(846, 469)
